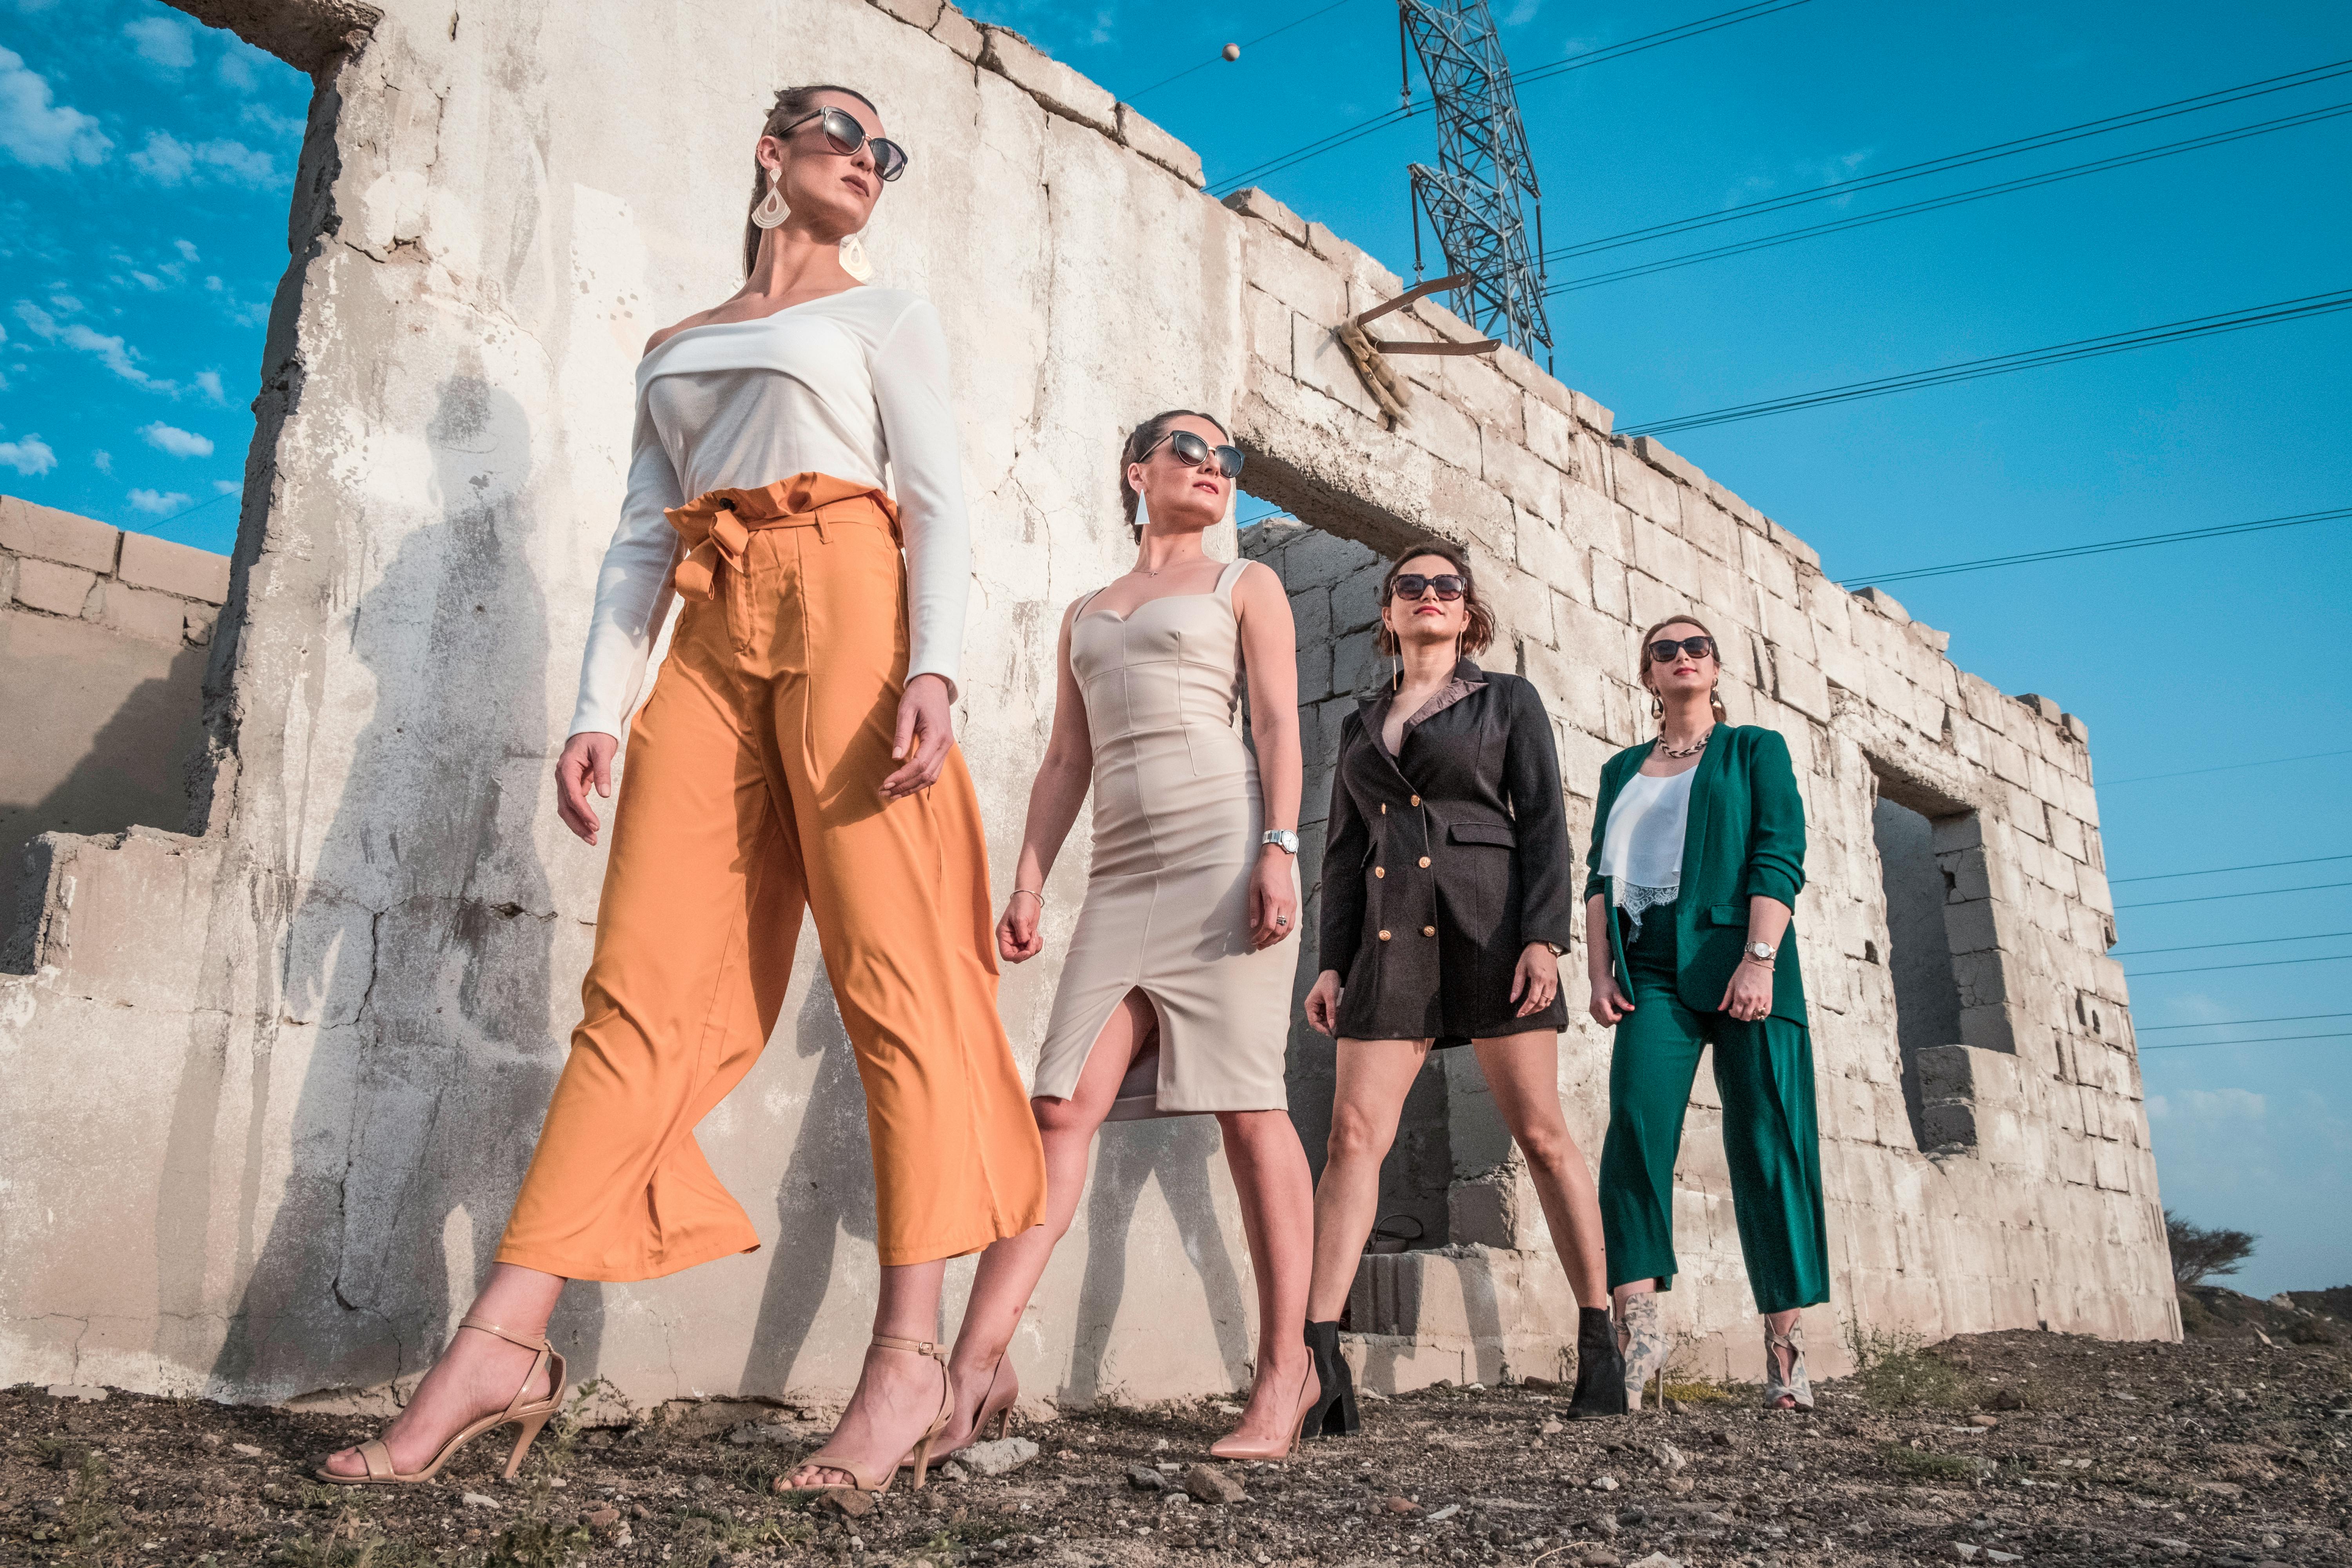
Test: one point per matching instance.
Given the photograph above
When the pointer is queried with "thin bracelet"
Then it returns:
(1031, 892)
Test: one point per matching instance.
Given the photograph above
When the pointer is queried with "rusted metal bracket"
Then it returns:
(1367, 353)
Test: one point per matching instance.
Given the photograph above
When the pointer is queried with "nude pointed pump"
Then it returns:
(531, 1413)
(1236, 1446)
(920, 1456)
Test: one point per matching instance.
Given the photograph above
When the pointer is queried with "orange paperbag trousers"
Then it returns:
(751, 793)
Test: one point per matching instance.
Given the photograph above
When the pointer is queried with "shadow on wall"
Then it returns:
(133, 772)
(420, 961)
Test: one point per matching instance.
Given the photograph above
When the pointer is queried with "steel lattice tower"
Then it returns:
(1485, 182)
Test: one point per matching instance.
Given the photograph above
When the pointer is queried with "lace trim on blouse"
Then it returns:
(1632, 898)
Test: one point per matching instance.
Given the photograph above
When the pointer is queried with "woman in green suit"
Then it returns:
(1698, 851)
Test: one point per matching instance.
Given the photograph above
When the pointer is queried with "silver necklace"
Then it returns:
(1693, 749)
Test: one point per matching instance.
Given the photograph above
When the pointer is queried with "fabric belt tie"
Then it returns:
(718, 525)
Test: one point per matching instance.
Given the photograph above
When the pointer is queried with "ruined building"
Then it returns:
(274, 1072)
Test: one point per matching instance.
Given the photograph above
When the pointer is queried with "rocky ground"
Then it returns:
(2031, 1447)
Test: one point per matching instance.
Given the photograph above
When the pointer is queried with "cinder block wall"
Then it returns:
(103, 639)
(290, 1068)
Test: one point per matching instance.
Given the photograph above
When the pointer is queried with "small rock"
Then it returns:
(2006, 1399)
(1145, 1479)
(1988, 1422)
(1597, 1557)
(1634, 1517)
(951, 1471)
(1402, 1505)
(1679, 1485)
(2220, 1488)
(1721, 1439)
(1448, 1511)
(1224, 1408)
(1658, 1560)
(701, 1484)
(475, 1500)
(1992, 1556)
(1964, 1551)
(604, 1518)
(847, 1503)
(1603, 1482)
(211, 1439)
(89, 1392)
(999, 1457)
(1669, 1457)
(248, 1449)
(1606, 1524)
(1211, 1484)
(1551, 1429)
(639, 1510)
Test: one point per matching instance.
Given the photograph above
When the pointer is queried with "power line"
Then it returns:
(2267, 964)
(2234, 1023)
(1938, 203)
(1634, 45)
(2258, 1040)
(2217, 897)
(1765, 206)
(2218, 871)
(2227, 767)
(1219, 57)
(2097, 347)
(2103, 547)
(2208, 946)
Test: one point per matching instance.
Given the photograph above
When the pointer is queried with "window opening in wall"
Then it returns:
(1922, 841)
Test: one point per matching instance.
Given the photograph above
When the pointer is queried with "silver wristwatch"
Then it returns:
(1760, 951)
(1282, 839)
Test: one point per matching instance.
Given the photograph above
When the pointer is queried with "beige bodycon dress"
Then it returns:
(1178, 816)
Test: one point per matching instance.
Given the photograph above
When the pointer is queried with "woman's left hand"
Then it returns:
(1750, 995)
(1536, 979)
(1274, 898)
(919, 745)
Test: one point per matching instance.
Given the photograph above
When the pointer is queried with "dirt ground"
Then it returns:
(2032, 1447)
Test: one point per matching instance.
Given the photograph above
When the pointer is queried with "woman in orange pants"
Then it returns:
(795, 755)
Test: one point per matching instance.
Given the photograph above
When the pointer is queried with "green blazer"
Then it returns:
(1746, 837)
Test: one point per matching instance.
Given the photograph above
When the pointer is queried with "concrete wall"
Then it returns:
(103, 639)
(290, 1068)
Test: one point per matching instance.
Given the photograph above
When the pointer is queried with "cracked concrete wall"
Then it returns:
(275, 1083)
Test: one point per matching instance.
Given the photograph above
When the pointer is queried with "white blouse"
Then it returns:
(850, 385)
(1641, 853)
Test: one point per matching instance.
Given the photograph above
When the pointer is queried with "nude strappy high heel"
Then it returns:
(920, 1456)
(991, 1403)
(1310, 1388)
(532, 1414)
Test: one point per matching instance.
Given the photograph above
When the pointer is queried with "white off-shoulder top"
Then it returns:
(854, 385)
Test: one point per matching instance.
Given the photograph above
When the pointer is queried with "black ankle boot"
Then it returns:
(1333, 1414)
(1600, 1367)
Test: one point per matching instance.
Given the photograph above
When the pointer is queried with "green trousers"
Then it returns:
(1764, 1072)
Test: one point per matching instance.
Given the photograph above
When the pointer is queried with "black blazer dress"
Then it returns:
(1442, 863)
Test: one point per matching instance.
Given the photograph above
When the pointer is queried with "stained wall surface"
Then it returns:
(289, 1066)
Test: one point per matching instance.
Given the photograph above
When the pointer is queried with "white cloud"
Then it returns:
(66, 303)
(162, 40)
(157, 502)
(102, 460)
(37, 131)
(241, 65)
(2209, 1105)
(1522, 13)
(29, 457)
(178, 441)
(168, 161)
(112, 351)
(187, 251)
(284, 126)
(208, 381)
(147, 281)
(226, 487)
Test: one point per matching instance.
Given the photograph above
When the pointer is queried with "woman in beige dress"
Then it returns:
(1175, 997)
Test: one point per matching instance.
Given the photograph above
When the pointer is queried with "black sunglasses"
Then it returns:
(1192, 451)
(846, 136)
(1663, 651)
(1411, 584)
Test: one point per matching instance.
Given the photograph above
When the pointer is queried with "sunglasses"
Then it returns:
(1412, 585)
(1192, 451)
(846, 136)
(1663, 651)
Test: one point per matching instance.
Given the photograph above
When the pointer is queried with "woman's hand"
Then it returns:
(1323, 1004)
(586, 759)
(1274, 898)
(1610, 1004)
(1748, 997)
(1536, 979)
(1017, 937)
(922, 737)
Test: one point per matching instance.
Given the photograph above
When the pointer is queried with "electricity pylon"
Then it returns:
(1485, 182)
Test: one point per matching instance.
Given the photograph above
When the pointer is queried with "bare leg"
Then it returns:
(1277, 1198)
(1010, 1269)
(1374, 1078)
(477, 1375)
(1523, 1071)
(897, 1393)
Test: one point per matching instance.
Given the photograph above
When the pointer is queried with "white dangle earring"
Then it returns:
(853, 259)
(771, 210)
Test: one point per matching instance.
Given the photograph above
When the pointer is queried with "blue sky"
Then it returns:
(115, 222)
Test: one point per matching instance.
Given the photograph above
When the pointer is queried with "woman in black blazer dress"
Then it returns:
(1447, 892)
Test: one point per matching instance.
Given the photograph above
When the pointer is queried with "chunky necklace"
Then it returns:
(1693, 749)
